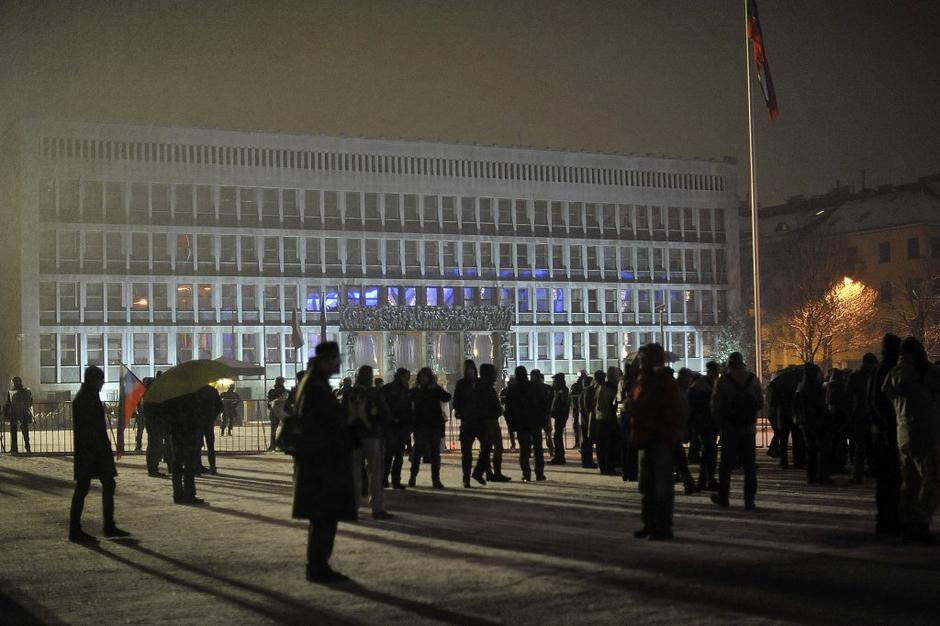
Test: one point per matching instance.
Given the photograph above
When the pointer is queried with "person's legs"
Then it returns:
(909, 494)
(320, 540)
(812, 455)
(357, 468)
(466, 454)
(860, 458)
(274, 423)
(435, 454)
(682, 467)
(706, 477)
(107, 500)
(559, 439)
(748, 451)
(525, 449)
(210, 447)
(78, 504)
(648, 493)
(483, 459)
(663, 488)
(14, 445)
(539, 454)
(725, 464)
(887, 485)
(25, 426)
(374, 448)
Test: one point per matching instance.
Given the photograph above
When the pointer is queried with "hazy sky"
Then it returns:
(857, 81)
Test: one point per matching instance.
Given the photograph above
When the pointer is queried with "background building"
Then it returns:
(151, 246)
(887, 238)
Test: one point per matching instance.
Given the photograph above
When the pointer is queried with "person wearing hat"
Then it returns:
(93, 457)
(561, 405)
(324, 492)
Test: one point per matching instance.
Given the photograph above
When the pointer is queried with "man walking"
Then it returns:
(735, 402)
(93, 457)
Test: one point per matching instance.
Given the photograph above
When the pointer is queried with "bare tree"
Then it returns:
(915, 306)
(819, 311)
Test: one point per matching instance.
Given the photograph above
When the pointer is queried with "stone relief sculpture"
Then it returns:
(418, 318)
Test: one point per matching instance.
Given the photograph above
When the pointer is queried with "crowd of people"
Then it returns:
(882, 420)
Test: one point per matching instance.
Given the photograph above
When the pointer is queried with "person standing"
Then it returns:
(684, 379)
(209, 404)
(576, 390)
(736, 399)
(367, 413)
(491, 409)
(605, 416)
(537, 380)
(468, 408)
(277, 400)
(185, 425)
(324, 492)
(781, 398)
(589, 421)
(913, 386)
(230, 403)
(524, 414)
(561, 406)
(814, 420)
(398, 434)
(427, 397)
(657, 411)
(705, 426)
(18, 410)
(140, 420)
(885, 453)
(93, 457)
(859, 383)
(629, 454)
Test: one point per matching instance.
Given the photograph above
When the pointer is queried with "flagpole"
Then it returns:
(755, 245)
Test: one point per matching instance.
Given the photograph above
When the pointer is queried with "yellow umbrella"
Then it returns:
(187, 378)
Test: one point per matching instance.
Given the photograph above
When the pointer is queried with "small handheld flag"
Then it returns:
(296, 337)
(756, 37)
(132, 390)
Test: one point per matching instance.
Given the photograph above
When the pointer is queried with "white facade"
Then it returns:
(151, 245)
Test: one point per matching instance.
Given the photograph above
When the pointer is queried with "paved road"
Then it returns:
(559, 552)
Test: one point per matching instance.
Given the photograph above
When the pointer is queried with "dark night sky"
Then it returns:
(858, 81)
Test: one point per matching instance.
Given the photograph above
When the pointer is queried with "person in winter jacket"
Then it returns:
(561, 407)
(426, 398)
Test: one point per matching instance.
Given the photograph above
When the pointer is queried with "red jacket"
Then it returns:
(658, 409)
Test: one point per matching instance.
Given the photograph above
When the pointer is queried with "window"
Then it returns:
(272, 348)
(542, 345)
(558, 345)
(913, 248)
(523, 300)
(577, 300)
(393, 296)
(161, 353)
(885, 294)
(184, 347)
(410, 296)
(593, 303)
(541, 300)
(431, 296)
(250, 348)
(523, 354)
(205, 345)
(594, 348)
(577, 346)
(558, 300)
(614, 346)
(884, 252)
(141, 349)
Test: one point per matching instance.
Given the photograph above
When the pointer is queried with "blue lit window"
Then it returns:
(503, 273)
(449, 297)
(431, 293)
(331, 299)
(313, 300)
(410, 298)
(558, 300)
(541, 273)
(626, 300)
(541, 300)
(353, 296)
(468, 295)
(393, 296)
(626, 275)
(372, 296)
(486, 295)
(523, 300)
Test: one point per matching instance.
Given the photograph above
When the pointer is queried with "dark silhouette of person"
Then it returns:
(885, 455)
(913, 386)
(810, 403)
(468, 408)
(860, 410)
(185, 419)
(93, 457)
(781, 398)
(735, 402)
(705, 426)
(18, 410)
(277, 400)
(560, 408)
(324, 492)
(427, 397)
(230, 403)
(588, 419)
(525, 411)
(210, 406)
(492, 409)
(658, 411)
(158, 434)
(398, 434)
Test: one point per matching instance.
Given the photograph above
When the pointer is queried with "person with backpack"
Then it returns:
(736, 399)
(368, 414)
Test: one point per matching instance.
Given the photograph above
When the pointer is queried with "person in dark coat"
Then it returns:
(210, 406)
(492, 409)
(884, 432)
(18, 411)
(575, 400)
(860, 410)
(427, 397)
(93, 457)
(537, 380)
(185, 420)
(561, 406)
(277, 401)
(781, 396)
(324, 492)
(368, 413)
(658, 411)
(525, 410)
(230, 403)
(588, 421)
(398, 435)
(814, 420)
(705, 426)
(468, 408)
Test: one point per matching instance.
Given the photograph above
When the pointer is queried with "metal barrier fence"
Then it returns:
(51, 431)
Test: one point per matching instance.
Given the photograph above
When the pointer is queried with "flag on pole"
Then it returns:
(761, 66)
(132, 390)
(296, 337)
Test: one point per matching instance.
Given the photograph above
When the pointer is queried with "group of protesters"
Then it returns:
(636, 422)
